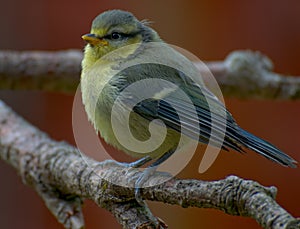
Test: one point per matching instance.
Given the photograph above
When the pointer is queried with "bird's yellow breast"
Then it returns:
(99, 97)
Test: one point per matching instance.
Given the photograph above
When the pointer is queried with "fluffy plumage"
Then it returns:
(118, 29)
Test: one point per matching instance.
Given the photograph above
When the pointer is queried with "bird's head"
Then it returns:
(115, 29)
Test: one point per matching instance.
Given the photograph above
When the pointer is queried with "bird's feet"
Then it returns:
(136, 164)
(140, 182)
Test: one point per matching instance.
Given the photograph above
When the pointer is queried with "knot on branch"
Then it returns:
(237, 193)
(248, 62)
(251, 70)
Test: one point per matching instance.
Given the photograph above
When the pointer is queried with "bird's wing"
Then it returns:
(194, 120)
(199, 115)
(202, 116)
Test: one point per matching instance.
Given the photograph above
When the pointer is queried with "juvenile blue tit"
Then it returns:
(101, 86)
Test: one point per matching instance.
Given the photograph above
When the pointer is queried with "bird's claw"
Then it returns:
(139, 184)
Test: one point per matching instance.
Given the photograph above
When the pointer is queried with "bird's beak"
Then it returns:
(94, 40)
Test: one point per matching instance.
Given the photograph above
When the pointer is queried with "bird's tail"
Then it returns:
(265, 148)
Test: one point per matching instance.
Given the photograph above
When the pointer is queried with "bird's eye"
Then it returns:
(116, 36)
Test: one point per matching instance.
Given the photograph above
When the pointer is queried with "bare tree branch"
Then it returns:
(40, 70)
(243, 74)
(61, 176)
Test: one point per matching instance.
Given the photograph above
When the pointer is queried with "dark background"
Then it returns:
(208, 28)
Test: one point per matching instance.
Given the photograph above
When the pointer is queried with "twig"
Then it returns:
(62, 178)
(243, 74)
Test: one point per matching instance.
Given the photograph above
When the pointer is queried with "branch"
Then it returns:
(243, 74)
(60, 175)
(40, 70)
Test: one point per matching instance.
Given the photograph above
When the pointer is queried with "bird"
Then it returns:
(116, 47)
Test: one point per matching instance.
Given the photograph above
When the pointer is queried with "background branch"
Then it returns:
(60, 175)
(243, 74)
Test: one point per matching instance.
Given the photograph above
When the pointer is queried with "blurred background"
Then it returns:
(210, 29)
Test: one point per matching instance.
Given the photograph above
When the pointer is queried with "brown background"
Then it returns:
(208, 28)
